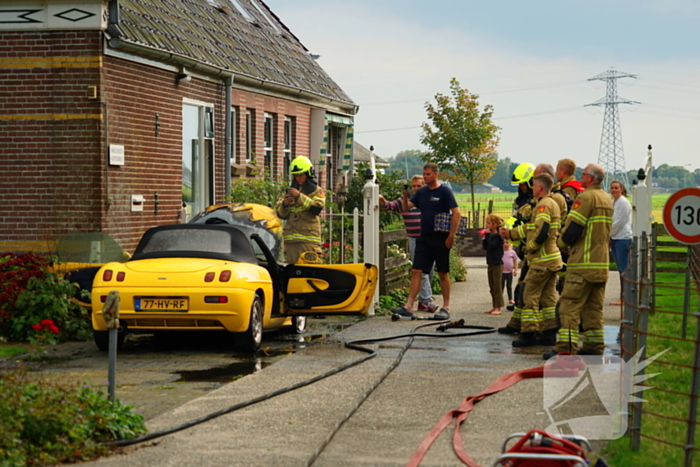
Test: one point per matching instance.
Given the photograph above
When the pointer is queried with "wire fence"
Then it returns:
(661, 322)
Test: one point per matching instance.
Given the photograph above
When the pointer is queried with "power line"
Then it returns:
(532, 114)
(610, 155)
(487, 93)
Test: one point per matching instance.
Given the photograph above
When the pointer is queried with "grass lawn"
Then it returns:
(667, 405)
(503, 203)
(10, 350)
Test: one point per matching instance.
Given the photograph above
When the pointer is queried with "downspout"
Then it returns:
(229, 140)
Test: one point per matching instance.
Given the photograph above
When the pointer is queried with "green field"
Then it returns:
(503, 203)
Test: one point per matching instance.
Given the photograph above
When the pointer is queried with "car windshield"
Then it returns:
(210, 241)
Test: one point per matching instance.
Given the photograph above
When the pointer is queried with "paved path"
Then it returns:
(433, 378)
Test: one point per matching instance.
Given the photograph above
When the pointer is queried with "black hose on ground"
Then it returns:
(351, 345)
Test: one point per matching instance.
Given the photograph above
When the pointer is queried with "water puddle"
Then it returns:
(611, 335)
(224, 374)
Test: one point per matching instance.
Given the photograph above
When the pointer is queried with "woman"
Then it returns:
(621, 231)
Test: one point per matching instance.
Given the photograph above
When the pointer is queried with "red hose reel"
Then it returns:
(538, 448)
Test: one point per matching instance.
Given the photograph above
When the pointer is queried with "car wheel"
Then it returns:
(250, 340)
(298, 325)
(102, 339)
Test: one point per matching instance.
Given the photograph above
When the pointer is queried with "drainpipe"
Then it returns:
(229, 142)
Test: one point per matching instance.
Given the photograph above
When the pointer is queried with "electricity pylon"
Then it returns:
(611, 156)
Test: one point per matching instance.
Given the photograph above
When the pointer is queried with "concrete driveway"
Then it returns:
(367, 415)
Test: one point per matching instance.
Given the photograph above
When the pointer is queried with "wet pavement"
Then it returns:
(367, 415)
(158, 373)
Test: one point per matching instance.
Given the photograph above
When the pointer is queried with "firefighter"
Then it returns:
(300, 207)
(544, 260)
(549, 309)
(566, 181)
(587, 233)
(522, 178)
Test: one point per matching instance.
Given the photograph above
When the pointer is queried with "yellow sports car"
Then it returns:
(215, 276)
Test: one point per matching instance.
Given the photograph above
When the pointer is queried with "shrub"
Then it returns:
(15, 272)
(33, 295)
(265, 190)
(43, 423)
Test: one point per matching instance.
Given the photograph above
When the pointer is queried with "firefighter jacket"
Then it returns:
(302, 223)
(520, 216)
(571, 187)
(587, 231)
(540, 235)
(561, 202)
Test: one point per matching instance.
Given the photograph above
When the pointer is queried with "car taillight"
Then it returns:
(215, 299)
(120, 276)
(107, 275)
(103, 298)
(209, 277)
(224, 276)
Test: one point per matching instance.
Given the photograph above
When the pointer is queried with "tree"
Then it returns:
(408, 163)
(503, 175)
(462, 139)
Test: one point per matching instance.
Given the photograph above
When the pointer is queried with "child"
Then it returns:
(493, 244)
(510, 269)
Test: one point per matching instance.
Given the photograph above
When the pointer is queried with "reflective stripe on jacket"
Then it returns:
(589, 257)
(302, 225)
(545, 254)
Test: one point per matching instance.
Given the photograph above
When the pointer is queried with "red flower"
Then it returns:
(326, 245)
(54, 329)
(47, 322)
(37, 327)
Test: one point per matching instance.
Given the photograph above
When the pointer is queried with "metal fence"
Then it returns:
(661, 312)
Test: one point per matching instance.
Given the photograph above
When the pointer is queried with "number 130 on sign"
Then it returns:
(682, 216)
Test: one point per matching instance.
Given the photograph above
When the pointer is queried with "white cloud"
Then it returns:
(391, 64)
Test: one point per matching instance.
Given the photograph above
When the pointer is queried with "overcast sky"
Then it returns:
(530, 60)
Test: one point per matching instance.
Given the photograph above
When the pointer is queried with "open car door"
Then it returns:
(334, 289)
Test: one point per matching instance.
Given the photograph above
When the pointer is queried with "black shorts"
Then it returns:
(431, 249)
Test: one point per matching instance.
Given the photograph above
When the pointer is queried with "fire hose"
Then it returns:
(557, 447)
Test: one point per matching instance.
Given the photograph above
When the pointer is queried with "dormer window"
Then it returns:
(241, 10)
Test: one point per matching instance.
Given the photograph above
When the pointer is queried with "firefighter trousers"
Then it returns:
(539, 300)
(581, 302)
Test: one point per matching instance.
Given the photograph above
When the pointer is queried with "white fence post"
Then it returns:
(641, 204)
(355, 235)
(370, 243)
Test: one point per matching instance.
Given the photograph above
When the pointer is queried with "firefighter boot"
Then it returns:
(548, 337)
(526, 339)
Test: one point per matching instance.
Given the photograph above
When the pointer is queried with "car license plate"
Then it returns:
(161, 304)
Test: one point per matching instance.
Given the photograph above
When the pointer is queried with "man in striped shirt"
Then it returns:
(411, 220)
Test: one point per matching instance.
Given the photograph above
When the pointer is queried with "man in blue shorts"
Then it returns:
(432, 247)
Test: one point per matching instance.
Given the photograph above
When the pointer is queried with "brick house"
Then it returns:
(120, 115)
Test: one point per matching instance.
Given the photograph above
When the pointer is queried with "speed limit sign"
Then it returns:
(682, 216)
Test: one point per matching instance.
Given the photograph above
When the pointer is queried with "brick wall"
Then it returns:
(144, 113)
(54, 175)
(280, 108)
(49, 135)
(471, 244)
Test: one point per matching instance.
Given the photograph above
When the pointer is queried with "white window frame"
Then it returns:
(269, 143)
(289, 141)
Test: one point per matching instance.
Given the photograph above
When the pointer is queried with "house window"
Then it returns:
(268, 146)
(334, 149)
(249, 136)
(289, 134)
(197, 157)
(241, 9)
(265, 15)
(233, 135)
